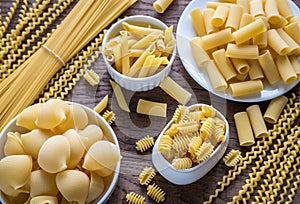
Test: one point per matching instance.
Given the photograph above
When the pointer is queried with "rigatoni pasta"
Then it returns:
(274, 109)
(244, 130)
(198, 22)
(257, 122)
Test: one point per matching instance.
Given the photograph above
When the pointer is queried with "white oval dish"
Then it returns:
(94, 118)
(187, 176)
(185, 32)
(131, 83)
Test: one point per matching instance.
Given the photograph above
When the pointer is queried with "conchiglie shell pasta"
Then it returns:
(15, 172)
(44, 200)
(42, 183)
(13, 144)
(33, 141)
(105, 171)
(96, 187)
(101, 154)
(54, 154)
(28, 117)
(77, 147)
(93, 133)
(52, 113)
(76, 119)
(73, 185)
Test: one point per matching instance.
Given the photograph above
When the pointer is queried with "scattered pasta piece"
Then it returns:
(119, 96)
(144, 143)
(161, 5)
(151, 108)
(182, 163)
(175, 90)
(203, 152)
(134, 198)
(156, 193)
(101, 105)
(109, 116)
(232, 158)
(91, 77)
(146, 175)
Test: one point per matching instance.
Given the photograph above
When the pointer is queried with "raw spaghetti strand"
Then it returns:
(81, 25)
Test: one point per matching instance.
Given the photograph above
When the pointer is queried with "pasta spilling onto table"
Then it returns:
(60, 154)
(192, 136)
(242, 43)
(140, 51)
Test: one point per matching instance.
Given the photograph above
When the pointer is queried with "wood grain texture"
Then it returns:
(130, 127)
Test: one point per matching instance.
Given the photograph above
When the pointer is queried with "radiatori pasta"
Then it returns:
(250, 31)
(192, 136)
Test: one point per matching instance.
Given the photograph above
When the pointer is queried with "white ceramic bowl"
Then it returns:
(187, 176)
(94, 118)
(131, 83)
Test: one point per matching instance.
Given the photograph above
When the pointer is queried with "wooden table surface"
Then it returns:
(129, 127)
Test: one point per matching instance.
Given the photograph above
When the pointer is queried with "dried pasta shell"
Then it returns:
(44, 200)
(42, 183)
(77, 119)
(15, 172)
(93, 133)
(52, 113)
(13, 144)
(77, 147)
(101, 154)
(28, 117)
(96, 187)
(105, 171)
(33, 141)
(54, 154)
(73, 185)
(22, 198)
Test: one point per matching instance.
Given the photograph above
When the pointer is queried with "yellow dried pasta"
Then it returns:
(146, 175)
(109, 116)
(203, 152)
(144, 143)
(134, 198)
(232, 158)
(156, 193)
(91, 77)
(182, 163)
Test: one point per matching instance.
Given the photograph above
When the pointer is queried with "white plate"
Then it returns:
(185, 32)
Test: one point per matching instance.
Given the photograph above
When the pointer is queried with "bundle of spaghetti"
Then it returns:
(81, 25)
(15, 52)
(262, 146)
(31, 22)
(66, 79)
(273, 158)
(281, 172)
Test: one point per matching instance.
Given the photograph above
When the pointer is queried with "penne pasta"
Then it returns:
(246, 87)
(125, 64)
(274, 109)
(277, 43)
(168, 35)
(217, 39)
(119, 96)
(269, 67)
(285, 69)
(146, 41)
(138, 63)
(242, 51)
(198, 22)
(155, 65)
(199, 54)
(216, 79)
(118, 58)
(244, 130)
(146, 66)
(101, 105)
(140, 30)
(224, 64)
(249, 31)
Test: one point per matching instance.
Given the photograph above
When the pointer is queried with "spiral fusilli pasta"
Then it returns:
(144, 143)
(156, 193)
(146, 175)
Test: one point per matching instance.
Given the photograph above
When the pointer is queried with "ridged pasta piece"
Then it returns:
(181, 143)
(208, 111)
(146, 175)
(109, 116)
(194, 144)
(165, 145)
(172, 131)
(207, 127)
(219, 134)
(156, 193)
(134, 198)
(91, 77)
(182, 163)
(179, 113)
(188, 127)
(203, 152)
(232, 158)
(144, 143)
(197, 115)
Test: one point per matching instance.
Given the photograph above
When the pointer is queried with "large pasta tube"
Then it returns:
(269, 67)
(161, 5)
(200, 56)
(246, 87)
(216, 79)
(249, 31)
(294, 48)
(224, 64)
(274, 18)
(285, 69)
(234, 17)
(198, 22)
(241, 65)
(220, 16)
(295, 63)
(255, 71)
(217, 39)
(274, 109)
(257, 121)
(256, 8)
(242, 51)
(243, 128)
(293, 30)
(285, 9)
(277, 43)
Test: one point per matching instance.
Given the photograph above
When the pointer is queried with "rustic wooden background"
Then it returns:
(130, 127)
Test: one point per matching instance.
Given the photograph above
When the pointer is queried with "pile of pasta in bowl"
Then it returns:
(139, 51)
(191, 144)
(60, 152)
